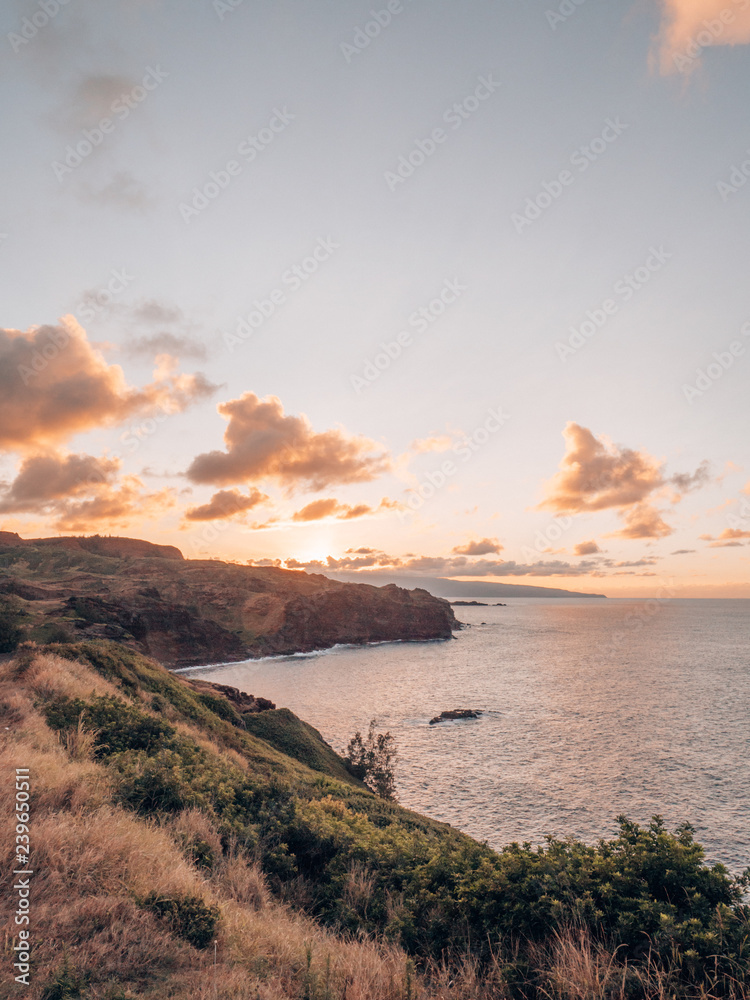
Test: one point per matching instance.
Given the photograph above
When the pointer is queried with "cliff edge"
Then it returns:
(186, 612)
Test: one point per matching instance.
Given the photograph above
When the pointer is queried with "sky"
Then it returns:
(444, 289)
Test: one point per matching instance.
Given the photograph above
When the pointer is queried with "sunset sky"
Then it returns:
(449, 288)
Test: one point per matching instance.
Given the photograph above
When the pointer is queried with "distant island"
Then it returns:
(188, 612)
(440, 586)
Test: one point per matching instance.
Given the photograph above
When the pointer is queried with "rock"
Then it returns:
(456, 714)
(469, 604)
(244, 703)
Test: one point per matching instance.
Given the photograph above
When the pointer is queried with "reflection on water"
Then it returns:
(593, 708)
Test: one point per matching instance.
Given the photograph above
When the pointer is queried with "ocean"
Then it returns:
(591, 708)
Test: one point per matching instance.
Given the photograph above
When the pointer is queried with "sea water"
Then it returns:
(590, 708)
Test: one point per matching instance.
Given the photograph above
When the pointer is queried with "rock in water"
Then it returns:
(456, 713)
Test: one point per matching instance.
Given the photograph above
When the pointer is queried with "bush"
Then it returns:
(373, 761)
(188, 917)
(65, 984)
(11, 616)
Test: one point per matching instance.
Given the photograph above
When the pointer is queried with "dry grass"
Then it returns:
(93, 860)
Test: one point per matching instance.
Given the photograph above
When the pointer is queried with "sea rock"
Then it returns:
(456, 713)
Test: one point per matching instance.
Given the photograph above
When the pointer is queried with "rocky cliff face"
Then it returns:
(189, 612)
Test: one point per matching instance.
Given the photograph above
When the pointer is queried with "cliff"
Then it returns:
(186, 612)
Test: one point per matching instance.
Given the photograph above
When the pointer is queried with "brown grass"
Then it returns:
(93, 860)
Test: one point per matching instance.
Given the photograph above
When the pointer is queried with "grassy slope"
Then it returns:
(154, 810)
(297, 739)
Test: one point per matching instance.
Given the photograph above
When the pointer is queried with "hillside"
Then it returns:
(191, 843)
(188, 612)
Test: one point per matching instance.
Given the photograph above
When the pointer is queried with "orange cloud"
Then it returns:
(729, 538)
(690, 26)
(484, 547)
(596, 475)
(79, 491)
(319, 509)
(54, 384)
(263, 443)
(643, 521)
(226, 504)
(586, 549)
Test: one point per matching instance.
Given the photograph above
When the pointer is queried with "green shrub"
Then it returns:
(11, 616)
(65, 984)
(118, 726)
(372, 759)
(188, 917)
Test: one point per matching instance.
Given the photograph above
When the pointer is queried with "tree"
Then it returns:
(10, 623)
(373, 760)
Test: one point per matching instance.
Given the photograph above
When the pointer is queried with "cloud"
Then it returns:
(683, 552)
(79, 491)
(436, 443)
(643, 521)
(688, 483)
(729, 538)
(596, 474)
(54, 384)
(226, 504)
(122, 190)
(319, 509)
(174, 344)
(586, 549)
(91, 101)
(263, 443)
(689, 26)
(155, 312)
(485, 547)
(43, 479)
(369, 562)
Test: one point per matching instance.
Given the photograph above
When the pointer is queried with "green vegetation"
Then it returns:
(363, 866)
(188, 917)
(11, 617)
(283, 730)
(373, 760)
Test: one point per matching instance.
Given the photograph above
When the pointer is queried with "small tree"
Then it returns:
(10, 623)
(372, 759)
